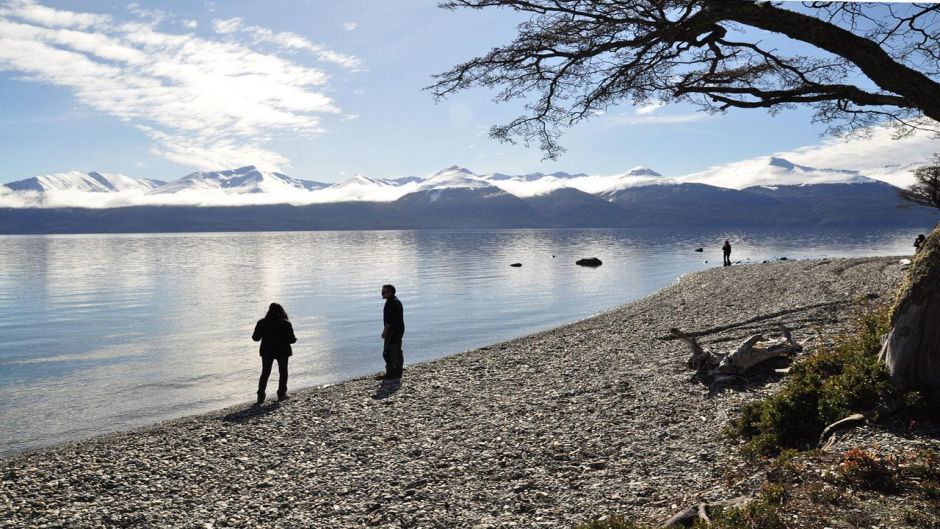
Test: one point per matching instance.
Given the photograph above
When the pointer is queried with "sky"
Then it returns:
(323, 90)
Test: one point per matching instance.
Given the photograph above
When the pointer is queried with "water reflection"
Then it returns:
(101, 333)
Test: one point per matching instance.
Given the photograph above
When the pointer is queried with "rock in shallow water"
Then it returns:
(589, 261)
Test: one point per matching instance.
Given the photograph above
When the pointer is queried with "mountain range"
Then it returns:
(770, 191)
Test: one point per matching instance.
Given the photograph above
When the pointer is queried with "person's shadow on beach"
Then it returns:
(387, 388)
(250, 412)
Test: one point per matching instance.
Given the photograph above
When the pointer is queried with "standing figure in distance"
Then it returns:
(726, 250)
(276, 334)
(392, 333)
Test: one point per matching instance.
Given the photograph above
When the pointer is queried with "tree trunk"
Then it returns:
(919, 90)
(912, 348)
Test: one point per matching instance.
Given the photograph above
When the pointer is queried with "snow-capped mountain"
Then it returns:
(539, 184)
(405, 180)
(361, 188)
(636, 177)
(639, 171)
(454, 196)
(561, 175)
(771, 171)
(769, 191)
(456, 186)
(573, 208)
(359, 181)
(243, 180)
(78, 181)
(454, 177)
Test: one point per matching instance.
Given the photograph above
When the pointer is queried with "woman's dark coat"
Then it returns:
(275, 336)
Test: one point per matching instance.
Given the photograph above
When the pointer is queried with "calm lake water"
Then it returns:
(107, 332)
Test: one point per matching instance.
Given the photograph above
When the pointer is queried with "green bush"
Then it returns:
(820, 390)
(925, 468)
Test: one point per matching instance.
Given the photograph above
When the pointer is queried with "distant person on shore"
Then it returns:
(726, 251)
(276, 334)
(392, 333)
(919, 242)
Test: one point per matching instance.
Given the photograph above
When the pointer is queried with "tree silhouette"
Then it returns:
(574, 58)
(925, 190)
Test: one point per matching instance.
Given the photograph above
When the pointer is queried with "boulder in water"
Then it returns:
(516, 265)
(590, 261)
(700, 249)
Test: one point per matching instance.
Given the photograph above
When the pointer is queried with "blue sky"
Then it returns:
(320, 90)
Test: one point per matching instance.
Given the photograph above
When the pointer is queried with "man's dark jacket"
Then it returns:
(275, 336)
(394, 317)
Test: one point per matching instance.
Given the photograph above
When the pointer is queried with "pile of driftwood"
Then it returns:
(719, 366)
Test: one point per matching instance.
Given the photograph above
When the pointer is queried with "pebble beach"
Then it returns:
(549, 430)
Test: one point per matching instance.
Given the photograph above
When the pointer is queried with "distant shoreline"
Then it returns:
(677, 205)
(592, 417)
(365, 216)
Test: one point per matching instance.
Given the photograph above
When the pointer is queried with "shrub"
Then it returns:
(762, 513)
(863, 470)
(924, 467)
(820, 390)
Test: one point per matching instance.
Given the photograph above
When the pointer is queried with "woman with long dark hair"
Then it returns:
(276, 334)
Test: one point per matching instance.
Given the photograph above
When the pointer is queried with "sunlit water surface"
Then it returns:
(106, 332)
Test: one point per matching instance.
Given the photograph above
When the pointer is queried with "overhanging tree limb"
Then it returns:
(917, 89)
(575, 58)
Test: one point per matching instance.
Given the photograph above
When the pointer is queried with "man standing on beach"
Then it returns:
(392, 333)
(726, 251)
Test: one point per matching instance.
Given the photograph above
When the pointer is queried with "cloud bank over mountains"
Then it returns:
(252, 186)
(205, 101)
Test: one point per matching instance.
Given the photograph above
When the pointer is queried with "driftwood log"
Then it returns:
(687, 517)
(753, 351)
(832, 432)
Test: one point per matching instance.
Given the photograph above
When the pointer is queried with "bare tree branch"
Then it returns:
(575, 58)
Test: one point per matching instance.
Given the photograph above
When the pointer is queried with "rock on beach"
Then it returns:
(548, 430)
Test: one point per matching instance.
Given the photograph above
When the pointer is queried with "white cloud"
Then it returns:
(205, 103)
(33, 13)
(878, 155)
(834, 160)
(649, 109)
(648, 114)
(190, 24)
(648, 119)
(349, 26)
(228, 26)
(210, 154)
(155, 16)
(285, 40)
